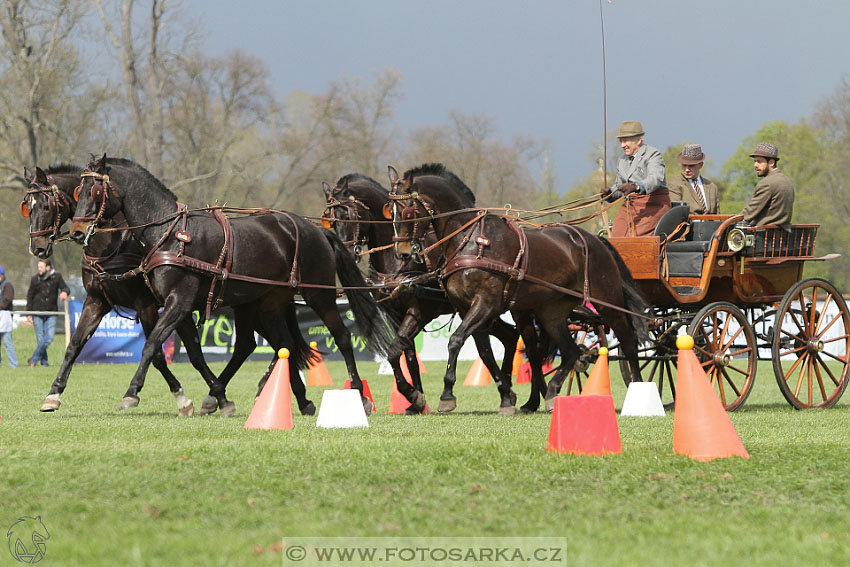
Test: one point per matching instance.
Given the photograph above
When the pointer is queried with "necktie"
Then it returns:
(700, 198)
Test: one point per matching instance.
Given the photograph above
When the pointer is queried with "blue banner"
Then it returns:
(117, 339)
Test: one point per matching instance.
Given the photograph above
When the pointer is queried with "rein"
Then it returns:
(56, 200)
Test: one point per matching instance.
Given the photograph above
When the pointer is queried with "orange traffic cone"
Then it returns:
(317, 374)
(366, 391)
(599, 381)
(398, 403)
(477, 375)
(702, 429)
(524, 375)
(584, 425)
(517, 364)
(273, 408)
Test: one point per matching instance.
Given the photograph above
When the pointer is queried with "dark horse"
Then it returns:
(541, 275)
(354, 207)
(48, 202)
(202, 259)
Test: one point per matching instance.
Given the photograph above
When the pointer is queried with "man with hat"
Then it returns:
(698, 192)
(7, 295)
(640, 178)
(773, 198)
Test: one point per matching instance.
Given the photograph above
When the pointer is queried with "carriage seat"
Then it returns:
(685, 258)
(671, 220)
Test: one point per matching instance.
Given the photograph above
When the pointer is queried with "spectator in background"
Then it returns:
(7, 295)
(698, 192)
(45, 286)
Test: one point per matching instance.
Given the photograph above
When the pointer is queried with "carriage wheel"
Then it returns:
(725, 345)
(658, 361)
(588, 340)
(811, 345)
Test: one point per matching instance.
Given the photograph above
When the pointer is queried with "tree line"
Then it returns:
(132, 80)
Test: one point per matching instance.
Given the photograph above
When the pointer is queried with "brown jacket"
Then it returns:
(772, 201)
(681, 190)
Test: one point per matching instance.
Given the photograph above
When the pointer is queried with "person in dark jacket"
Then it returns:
(7, 295)
(45, 286)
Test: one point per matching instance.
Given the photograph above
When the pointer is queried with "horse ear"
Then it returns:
(40, 176)
(327, 190)
(28, 175)
(393, 175)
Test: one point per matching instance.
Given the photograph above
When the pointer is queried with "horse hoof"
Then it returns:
(128, 403)
(50, 404)
(209, 406)
(550, 405)
(528, 408)
(368, 406)
(446, 406)
(228, 410)
(513, 398)
(309, 409)
(187, 411)
(507, 410)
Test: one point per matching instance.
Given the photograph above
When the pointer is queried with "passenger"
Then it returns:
(773, 198)
(640, 178)
(698, 192)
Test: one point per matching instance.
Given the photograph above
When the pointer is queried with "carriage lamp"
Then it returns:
(737, 239)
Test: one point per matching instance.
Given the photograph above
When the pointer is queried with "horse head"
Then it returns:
(96, 197)
(47, 207)
(351, 208)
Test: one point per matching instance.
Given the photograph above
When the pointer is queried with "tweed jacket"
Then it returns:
(682, 190)
(772, 201)
(646, 169)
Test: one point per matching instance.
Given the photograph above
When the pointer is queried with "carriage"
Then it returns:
(739, 291)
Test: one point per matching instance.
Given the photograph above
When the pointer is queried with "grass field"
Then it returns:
(145, 488)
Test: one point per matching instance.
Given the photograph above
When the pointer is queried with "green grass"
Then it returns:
(146, 488)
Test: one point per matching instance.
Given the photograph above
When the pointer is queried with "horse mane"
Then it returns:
(439, 170)
(353, 177)
(63, 168)
(135, 167)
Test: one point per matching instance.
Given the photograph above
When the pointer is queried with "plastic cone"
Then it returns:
(584, 425)
(398, 403)
(477, 375)
(273, 408)
(317, 374)
(524, 375)
(341, 408)
(598, 382)
(643, 400)
(366, 391)
(702, 429)
(518, 354)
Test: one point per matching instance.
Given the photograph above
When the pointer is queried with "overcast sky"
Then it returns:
(710, 72)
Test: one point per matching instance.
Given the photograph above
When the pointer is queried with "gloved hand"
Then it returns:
(628, 188)
(605, 191)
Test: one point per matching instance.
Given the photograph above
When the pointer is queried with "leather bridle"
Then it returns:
(352, 207)
(58, 204)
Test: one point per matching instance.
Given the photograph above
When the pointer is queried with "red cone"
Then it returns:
(273, 408)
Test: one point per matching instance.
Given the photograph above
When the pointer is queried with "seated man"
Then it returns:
(640, 177)
(773, 198)
(698, 192)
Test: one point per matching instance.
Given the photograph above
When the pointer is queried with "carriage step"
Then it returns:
(686, 289)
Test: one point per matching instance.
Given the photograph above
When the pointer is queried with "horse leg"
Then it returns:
(94, 308)
(410, 326)
(507, 405)
(280, 336)
(478, 316)
(525, 323)
(244, 322)
(570, 353)
(185, 408)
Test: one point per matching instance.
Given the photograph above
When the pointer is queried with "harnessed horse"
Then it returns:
(48, 203)
(354, 208)
(202, 259)
(492, 264)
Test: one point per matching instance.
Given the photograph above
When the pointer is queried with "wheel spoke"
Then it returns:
(828, 371)
(720, 388)
(820, 380)
(739, 352)
(823, 311)
(793, 367)
(792, 351)
(731, 383)
(745, 372)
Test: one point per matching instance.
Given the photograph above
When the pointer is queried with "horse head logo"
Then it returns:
(27, 539)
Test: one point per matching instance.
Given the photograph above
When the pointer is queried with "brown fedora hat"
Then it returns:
(630, 128)
(766, 150)
(691, 154)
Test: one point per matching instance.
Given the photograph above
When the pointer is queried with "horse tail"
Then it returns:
(368, 317)
(301, 354)
(633, 299)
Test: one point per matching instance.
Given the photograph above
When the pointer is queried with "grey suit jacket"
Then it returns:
(646, 169)
(682, 190)
(772, 201)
